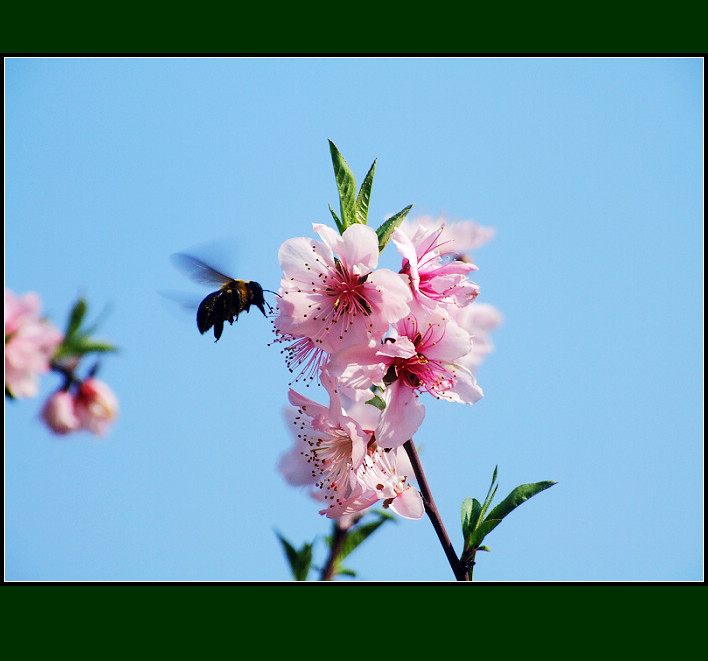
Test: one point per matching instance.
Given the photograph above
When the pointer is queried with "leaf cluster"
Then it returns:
(477, 524)
(300, 560)
(353, 206)
(77, 338)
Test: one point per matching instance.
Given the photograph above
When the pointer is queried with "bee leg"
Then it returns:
(218, 329)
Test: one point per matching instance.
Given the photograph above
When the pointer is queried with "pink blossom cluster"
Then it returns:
(376, 340)
(31, 343)
(92, 406)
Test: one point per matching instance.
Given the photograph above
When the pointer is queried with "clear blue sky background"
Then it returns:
(590, 170)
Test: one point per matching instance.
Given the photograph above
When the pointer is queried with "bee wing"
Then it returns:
(181, 300)
(197, 270)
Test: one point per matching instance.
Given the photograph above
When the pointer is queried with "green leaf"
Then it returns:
(518, 496)
(346, 185)
(79, 345)
(346, 572)
(336, 220)
(76, 316)
(491, 492)
(358, 534)
(300, 561)
(377, 402)
(471, 513)
(362, 200)
(387, 228)
(482, 531)
(465, 511)
(494, 479)
(509, 504)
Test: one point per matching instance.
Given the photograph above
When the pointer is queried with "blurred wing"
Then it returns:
(181, 301)
(197, 270)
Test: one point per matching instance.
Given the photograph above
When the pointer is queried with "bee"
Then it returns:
(233, 296)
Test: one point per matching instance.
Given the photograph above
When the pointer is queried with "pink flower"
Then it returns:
(330, 441)
(332, 294)
(96, 405)
(59, 413)
(30, 343)
(462, 236)
(335, 453)
(423, 354)
(304, 356)
(378, 479)
(436, 275)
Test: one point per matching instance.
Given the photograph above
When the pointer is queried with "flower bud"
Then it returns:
(96, 405)
(59, 413)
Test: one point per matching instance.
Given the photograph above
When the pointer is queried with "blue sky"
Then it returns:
(590, 171)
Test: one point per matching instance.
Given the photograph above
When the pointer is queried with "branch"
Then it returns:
(458, 569)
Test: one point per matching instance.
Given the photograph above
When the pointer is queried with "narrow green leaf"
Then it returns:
(304, 562)
(483, 529)
(494, 479)
(346, 185)
(491, 492)
(299, 561)
(91, 346)
(290, 552)
(346, 572)
(488, 500)
(92, 329)
(387, 228)
(79, 345)
(76, 316)
(465, 511)
(471, 514)
(518, 496)
(362, 200)
(356, 536)
(340, 229)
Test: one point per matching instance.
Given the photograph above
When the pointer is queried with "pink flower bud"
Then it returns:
(59, 413)
(96, 405)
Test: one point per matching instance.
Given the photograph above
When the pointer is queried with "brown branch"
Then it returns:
(338, 536)
(458, 569)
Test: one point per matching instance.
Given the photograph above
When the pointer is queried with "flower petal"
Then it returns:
(401, 418)
(408, 504)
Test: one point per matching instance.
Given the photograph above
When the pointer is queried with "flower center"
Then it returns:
(347, 290)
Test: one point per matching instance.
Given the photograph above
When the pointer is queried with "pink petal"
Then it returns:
(402, 416)
(357, 247)
(409, 504)
(298, 256)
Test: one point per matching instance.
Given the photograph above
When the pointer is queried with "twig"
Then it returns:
(458, 569)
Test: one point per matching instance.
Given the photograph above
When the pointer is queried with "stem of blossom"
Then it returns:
(66, 372)
(338, 535)
(458, 569)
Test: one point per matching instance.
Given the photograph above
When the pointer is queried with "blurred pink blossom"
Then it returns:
(30, 343)
(462, 236)
(478, 319)
(96, 405)
(59, 413)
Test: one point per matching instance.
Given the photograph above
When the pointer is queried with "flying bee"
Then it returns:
(233, 296)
